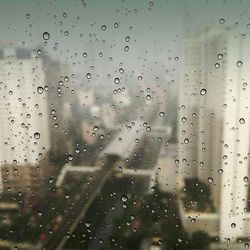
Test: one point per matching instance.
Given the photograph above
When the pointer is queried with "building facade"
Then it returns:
(24, 134)
(214, 124)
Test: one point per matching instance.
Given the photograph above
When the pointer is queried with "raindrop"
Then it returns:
(37, 135)
(233, 225)
(95, 128)
(88, 75)
(193, 220)
(127, 38)
(186, 141)
(148, 97)
(222, 21)
(245, 179)
(46, 36)
(203, 92)
(184, 119)
(124, 198)
(40, 90)
(243, 36)
(220, 171)
(121, 70)
(70, 157)
(77, 150)
(239, 63)
(126, 48)
(87, 224)
(220, 56)
(124, 205)
(139, 78)
(161, 114)
(116, 80)
(104, 27)
(217, 65)
(28, 16)
(242, 121)
(210, 179)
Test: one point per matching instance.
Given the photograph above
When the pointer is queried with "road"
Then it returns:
(77, 211)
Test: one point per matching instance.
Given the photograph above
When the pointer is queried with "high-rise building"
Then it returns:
(58, 79)
(214, 123)
(24, 133)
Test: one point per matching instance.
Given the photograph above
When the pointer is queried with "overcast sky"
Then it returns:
(155, 30)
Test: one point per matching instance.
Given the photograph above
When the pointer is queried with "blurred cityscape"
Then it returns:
(131, 162)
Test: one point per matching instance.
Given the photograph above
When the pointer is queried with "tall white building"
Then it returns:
(24, 133)
(214, 123)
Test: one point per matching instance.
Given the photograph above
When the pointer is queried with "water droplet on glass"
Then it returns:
(242, 121)
(203, 92)
(220, 171)
(37, 135)
(40, 90)
(139, 78)
(210, 179)
(103, 27)
(233, 225)
(127, 38)
(95, 128)
(239, 63)
(70, 157)
(161, 114)
(184, 119)
(116, 80)
(222, 21)
(220, 56)
(88, 75)
(217, 65)
(46, 36)
(124, 198)
(126, 48)
(77, 150)
(246, 245)
(121, 70)
(245, 179)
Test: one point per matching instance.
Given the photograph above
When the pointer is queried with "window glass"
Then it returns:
(124, 124)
